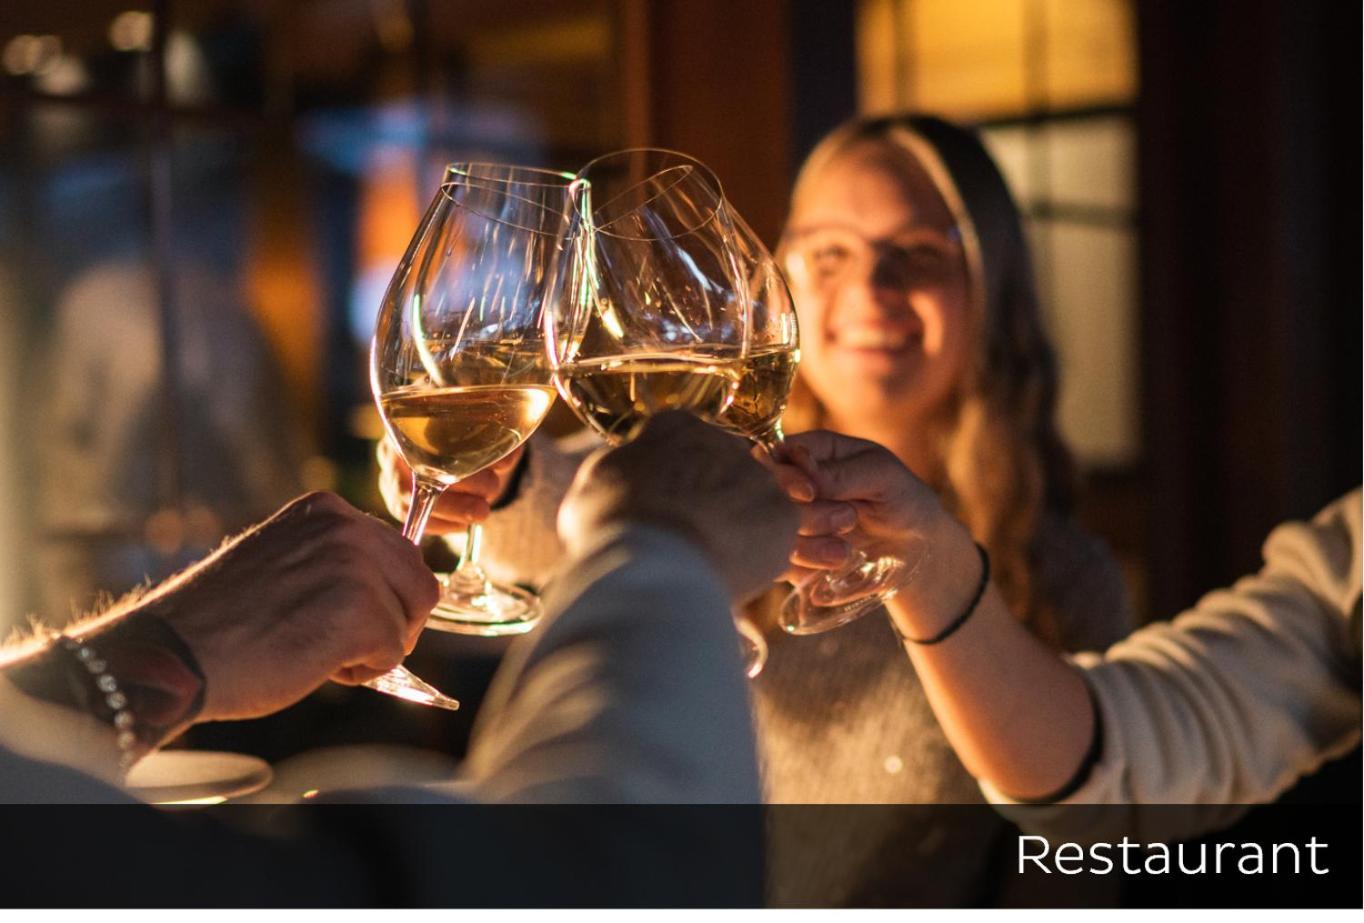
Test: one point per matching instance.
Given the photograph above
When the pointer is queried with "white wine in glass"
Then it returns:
(616, 394)
(765, 379)
(459, 367)
(460, 431)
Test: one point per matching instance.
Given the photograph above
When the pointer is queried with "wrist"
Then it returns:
(157, 670)
(132, 674)
(944, 587)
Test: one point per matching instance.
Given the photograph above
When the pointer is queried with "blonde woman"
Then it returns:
(921, 331)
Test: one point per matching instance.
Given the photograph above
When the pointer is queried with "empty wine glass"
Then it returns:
(459, 367)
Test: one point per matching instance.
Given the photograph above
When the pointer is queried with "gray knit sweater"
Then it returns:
(843, 719)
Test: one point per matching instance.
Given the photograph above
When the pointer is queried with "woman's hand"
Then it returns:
(853, 494)
(892, 513)
(460, 506)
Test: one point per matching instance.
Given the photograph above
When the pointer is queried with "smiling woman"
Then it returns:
(920, 330)
(883, 293)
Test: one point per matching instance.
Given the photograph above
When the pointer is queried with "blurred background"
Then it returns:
(201, 204)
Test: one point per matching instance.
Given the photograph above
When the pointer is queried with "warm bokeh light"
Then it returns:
(132, 31)
(995, 58)
(31, 54)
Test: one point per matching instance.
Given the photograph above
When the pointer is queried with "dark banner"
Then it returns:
(445, 855)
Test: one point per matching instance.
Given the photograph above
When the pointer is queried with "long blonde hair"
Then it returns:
(1004, 464)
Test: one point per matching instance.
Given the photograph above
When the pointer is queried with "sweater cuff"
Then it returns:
(1093, 776)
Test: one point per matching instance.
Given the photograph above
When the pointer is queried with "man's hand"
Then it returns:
(693, 478)
(461, 505)
(318, 591)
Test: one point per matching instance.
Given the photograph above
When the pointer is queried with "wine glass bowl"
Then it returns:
(656, 318)
(769, 370)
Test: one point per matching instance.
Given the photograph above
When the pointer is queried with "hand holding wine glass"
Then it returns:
(464, 503)
(695, 480)
(868, 501)
(318, 591)
(459, 367)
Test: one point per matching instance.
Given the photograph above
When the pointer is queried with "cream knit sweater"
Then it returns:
(1234, 700)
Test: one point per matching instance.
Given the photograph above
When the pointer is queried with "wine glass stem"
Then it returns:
(470, 575)
(771, 440)
(425, 493)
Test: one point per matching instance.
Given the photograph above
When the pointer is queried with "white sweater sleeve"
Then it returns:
(1236, 699)
(520, 543)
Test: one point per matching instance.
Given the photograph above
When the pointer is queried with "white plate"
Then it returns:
(197, 777)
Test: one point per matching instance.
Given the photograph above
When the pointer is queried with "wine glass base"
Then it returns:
(800, 616)
(402, 683)
(495, 611)
(831, 600)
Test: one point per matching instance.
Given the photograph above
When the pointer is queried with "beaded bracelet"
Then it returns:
(113, 697)
(970, 609)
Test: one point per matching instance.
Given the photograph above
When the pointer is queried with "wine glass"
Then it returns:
(765, 375)
(831, 598)
(656, 319)
(459, 367)
(769, 369)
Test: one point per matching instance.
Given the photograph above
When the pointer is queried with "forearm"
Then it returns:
(127, 677)
(1018, 715)
(631, 691)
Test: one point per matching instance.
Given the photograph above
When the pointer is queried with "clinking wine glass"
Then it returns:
(830, 598)
(658, 317)
(459, 367)
(765, 376)
(655, 319)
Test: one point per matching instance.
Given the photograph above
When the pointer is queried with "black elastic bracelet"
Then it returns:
(960, 620)
(1087, 763)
